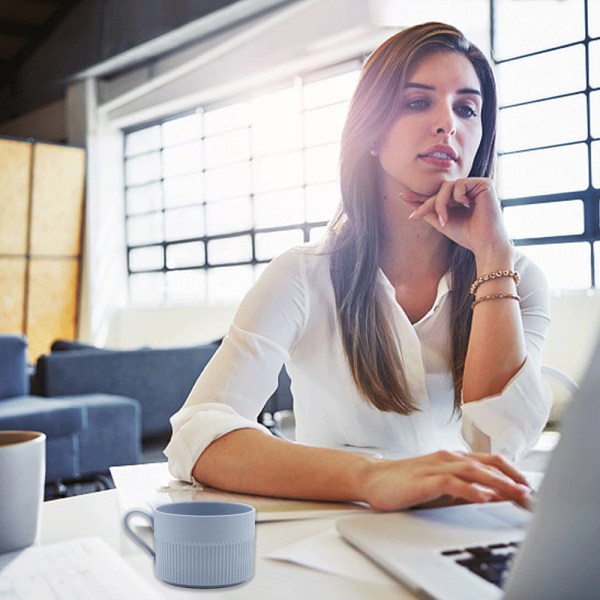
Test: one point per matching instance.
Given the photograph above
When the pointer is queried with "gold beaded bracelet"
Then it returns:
(495, 297)
(495, 275)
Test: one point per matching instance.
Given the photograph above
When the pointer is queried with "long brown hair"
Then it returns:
(367, 336)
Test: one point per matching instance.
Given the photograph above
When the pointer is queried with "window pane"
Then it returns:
(269, 245)
(184, 129)
(186, 286)
(185, 255)
(226, 118)
(226, 216)
(567, 266)
(285, 207)
(330, 90)
(182, 223)
(144, 198)
(142, 141)
(142, 169)
(275, 172)
(322, 163)
(595, 64)
(227, 148)
(182, 191)
(524, 27)
(322, 201)
(147, 288)
(277, 135)
(544, 219)
(595, 114)
(549, 74)
(142, 259)
(229, 284)
(145, 229)
(316, 234)
(228, 182)
(182, 159)
(526, 126)
(230, 250)
(549, 171)
(596, 164)
(276, 124)
(594, 18)
(324, 125)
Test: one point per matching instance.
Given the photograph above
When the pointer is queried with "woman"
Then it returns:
(404, 331)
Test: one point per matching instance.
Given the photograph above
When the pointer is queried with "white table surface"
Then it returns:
(99, 514)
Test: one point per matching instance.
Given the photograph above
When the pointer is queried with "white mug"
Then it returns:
(200, 544)
(22, 474)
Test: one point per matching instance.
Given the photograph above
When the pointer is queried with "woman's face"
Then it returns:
(438, 131)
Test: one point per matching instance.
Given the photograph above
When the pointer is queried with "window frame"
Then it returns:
(591, 195)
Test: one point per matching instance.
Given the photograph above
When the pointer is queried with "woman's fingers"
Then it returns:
(448, 196)
(442, 477)
(451, 485)
(478, 473)
(492, 472)
(500, 463)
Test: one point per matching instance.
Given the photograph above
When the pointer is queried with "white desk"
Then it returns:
(99, 515)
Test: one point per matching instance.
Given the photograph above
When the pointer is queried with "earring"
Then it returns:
(373, 152)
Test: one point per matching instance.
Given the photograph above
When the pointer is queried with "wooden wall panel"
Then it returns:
(12, 297)
(52, 302)
(58, 187)
(41, 207)
(15, 176)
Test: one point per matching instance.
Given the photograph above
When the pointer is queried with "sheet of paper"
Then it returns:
(82, 569)
(149, 485)
(330, 553)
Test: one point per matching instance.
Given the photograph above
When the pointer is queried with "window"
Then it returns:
(547, 57)
(213, 195)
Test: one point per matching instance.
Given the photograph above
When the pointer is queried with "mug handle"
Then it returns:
(133, 535)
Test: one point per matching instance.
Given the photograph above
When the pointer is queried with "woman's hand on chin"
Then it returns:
(465, 210)
(443, 478)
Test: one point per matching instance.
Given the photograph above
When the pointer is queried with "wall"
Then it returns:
(47, 123)
(165, 327)
(574, 331)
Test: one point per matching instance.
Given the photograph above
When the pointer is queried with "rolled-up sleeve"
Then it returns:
(243, 373)
(511, 422)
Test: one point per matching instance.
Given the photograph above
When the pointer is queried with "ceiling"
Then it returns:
(24, 24)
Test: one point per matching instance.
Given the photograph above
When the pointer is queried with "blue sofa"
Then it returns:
(160, 379)
(86, 434)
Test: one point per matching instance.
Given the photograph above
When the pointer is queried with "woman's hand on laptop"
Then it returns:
(443, 478)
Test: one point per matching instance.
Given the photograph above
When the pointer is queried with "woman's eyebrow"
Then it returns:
(422, 86)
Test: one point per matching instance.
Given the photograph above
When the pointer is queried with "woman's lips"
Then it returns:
(437, 161)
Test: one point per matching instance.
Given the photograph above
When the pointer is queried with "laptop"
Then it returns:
(459, 552)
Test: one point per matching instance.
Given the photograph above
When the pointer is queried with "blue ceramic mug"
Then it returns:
(200, 544)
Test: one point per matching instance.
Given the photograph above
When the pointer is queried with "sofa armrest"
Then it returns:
(13, 366)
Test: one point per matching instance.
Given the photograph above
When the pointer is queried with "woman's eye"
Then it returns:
(417, 104)
(466, 111)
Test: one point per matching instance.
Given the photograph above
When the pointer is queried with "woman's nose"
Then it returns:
(445, 123)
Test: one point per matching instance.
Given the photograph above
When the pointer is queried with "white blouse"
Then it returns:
(289, 317)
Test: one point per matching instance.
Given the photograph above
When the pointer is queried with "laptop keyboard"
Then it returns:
(490, 562)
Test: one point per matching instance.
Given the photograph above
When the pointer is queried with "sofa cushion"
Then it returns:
(159, 378)
(50, 416)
